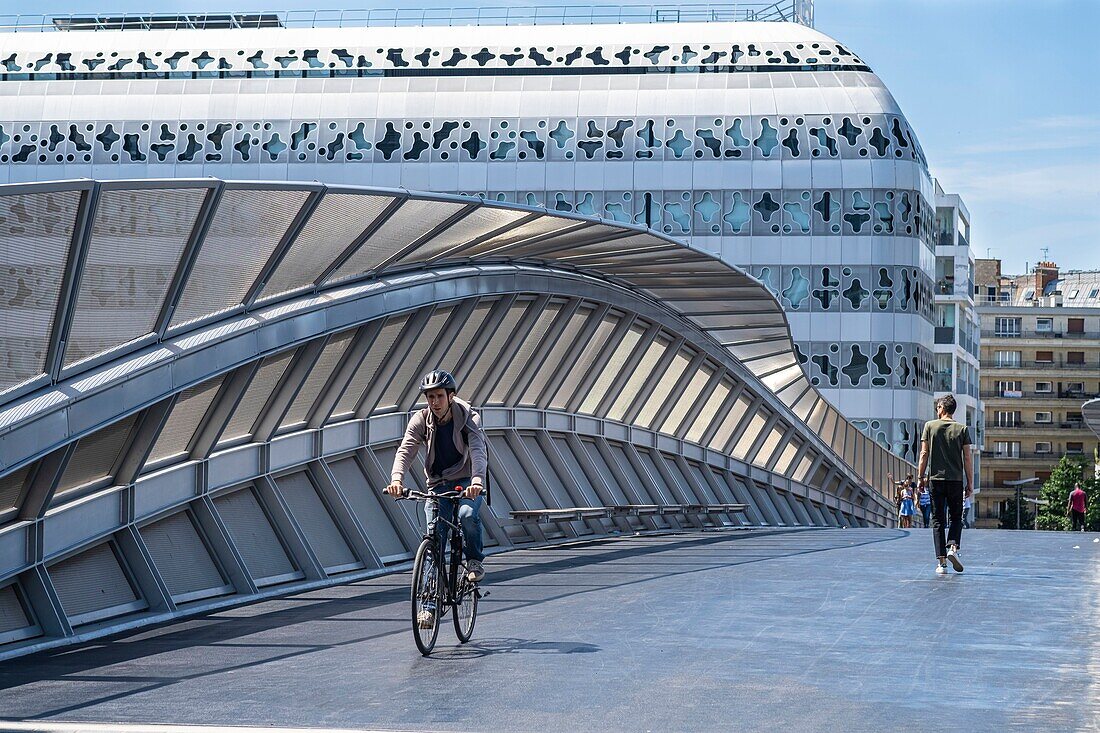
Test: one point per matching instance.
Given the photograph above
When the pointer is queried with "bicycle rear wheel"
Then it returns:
(427, 597)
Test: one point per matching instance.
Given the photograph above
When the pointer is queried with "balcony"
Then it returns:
(1030, 395)
(941, 381)
(1033, 334)
(945, 334)
(1056, 364)
(1044, 426)
(1052, 456)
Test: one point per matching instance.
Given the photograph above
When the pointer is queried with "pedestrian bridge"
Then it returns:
(203, 384)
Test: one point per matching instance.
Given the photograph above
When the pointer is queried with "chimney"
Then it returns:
(1044, 274)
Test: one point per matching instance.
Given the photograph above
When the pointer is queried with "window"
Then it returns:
(1043, 417)
(1007, 448)
(1007, 327)
(1044, 357)
(1075, 387)
(1075, 447)
(1076, 325)
(1075, 357)
(1009, 388)
(1073, 294)
(1094, 292)
(1042, 476)
(1044, 325)
(1044, 387)
(1075, 418)
(1008, 358)
(1028, 295)
(1006, 419)
(1042, 446)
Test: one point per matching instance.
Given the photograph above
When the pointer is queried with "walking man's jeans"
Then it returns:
(947, 502)
(1078, 521)
(926, 513)
(469, 518)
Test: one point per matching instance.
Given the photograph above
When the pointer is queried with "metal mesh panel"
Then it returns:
(316, 523)
(642, 489)
(11, 486)
(412, 221)
(333, 226)
(611, 370)
(583, 364)
(649, 461)
(631, 391)
(368, 367)
(364, 500)
(12, 615)
(734, 414)
(563, 348)
(785, 458)
(709, 413)
(604, 471)
(520, 362)
(752, 432)
(184, 419)
(687, 398)
(476, 224)
(497, 342)
(318, 377)
(458, 348)
(182, 558)
(95, 457)
(768, 447)
(253, 536)
(409, 364)
(135, 248)
(35, 233)
(650, 411)
(537, 227)
(246, 229)
(804, 467)
(91, 581)
(589, 495)
(256, 396)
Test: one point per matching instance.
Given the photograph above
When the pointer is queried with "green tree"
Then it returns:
(1008, 514)
(1069, 471)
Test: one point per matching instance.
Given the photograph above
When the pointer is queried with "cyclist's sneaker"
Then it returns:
(476, 571)
(426, 619)
(953, 558)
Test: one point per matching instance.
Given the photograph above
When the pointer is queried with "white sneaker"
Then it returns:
(941, 567)
(426, 619)
(953, 558)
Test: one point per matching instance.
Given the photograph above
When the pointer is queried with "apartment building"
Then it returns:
(1040, 351)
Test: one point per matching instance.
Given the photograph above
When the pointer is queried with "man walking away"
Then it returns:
(945, 454)
(1078, 500)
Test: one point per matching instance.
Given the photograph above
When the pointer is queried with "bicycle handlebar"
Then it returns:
(414, 495)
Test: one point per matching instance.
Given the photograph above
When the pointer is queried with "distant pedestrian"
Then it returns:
(908, 510)
(945, 454)
(1078, 501)
(904, 489)
(968, 504)
(924, 501)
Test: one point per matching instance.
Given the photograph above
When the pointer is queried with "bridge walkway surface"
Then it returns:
(799, 630)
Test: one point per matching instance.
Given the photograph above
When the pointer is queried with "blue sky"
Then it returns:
(1004, 95)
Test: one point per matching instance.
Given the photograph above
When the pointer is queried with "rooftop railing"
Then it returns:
(794, 11)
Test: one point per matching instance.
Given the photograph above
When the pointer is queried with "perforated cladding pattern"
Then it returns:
(412, 221)
(35, 233)
(563, 348)
(91, 581)
(181, 556)
(662, 389)
(368, 367)
(504, 333)
(520, 363)
(632, 390)
(184, 419)
(397, 391)
(247, 227)
(316, 522)
(135, 248)
(12, 615)
(318, 377)
(611, 370)
(11, 486)
(95, 457)
(477, 224)
(583, 364)
(256, 395)
(365, 502)
(679, 411)
(338, 219)
(253, 536)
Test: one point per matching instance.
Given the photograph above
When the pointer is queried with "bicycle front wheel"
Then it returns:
(465, 615)
(427, 598)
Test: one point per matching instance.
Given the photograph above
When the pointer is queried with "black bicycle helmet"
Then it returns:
(438, 379)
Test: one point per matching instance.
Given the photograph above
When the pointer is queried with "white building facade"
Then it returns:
(768, 144)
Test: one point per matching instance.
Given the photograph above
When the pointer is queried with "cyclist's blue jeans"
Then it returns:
(469, 518)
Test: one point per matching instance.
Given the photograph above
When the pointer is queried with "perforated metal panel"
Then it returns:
(368, 367)
(318, 377)
(563, 350)
(590, 495)
(477, 224)
(784, 463)
(332, 227)
(133, 255)
(256, 396)
(412, 221)
(604, 472)
(611, 370)
(35, 233)
(409, 365)
(254, 538)
(687, 398)
(92, 585)
(11, 486)
(184, 419)
(534, 228)
(583, 364)
(632, 390)
(246, 228)
(752, 432)
(12, 615)
(520, 362)
(182, 558)
(95, 457)
(460, 346)
(317, 524)
(662, 389)
(733, 413)
(711, 411)
(366, 501)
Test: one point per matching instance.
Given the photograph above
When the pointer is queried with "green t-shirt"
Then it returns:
(946, 441)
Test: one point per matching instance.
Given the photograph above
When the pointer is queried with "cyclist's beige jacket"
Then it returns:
(420, 431)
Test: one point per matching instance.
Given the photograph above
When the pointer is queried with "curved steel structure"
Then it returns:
(204, 381)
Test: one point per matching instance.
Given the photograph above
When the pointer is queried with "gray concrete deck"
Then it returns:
(799, 630)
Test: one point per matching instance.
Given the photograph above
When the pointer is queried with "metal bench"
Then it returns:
(572, 514)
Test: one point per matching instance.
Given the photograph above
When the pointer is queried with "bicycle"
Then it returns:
(436, 582)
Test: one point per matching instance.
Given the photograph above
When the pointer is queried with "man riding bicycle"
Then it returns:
(452, 431)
